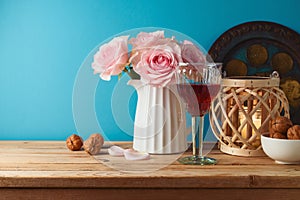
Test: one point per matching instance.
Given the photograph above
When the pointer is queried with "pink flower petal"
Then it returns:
(192, 54)
(131, 154)
(111, 58)
(157, 64)
(144, 39)
(116, 151)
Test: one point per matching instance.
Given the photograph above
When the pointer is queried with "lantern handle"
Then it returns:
(274, 74)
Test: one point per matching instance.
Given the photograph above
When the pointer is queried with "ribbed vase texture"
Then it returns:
(160, 124)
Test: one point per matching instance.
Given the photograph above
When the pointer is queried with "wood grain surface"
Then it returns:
(48, 170)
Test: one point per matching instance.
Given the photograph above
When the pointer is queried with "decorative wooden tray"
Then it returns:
(259, 48)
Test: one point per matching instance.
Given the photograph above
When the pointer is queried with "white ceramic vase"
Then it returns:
(160, 122)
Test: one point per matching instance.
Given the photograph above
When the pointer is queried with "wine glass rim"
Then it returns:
(212, 64)
(209, 64)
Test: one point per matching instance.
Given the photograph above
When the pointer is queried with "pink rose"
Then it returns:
(156, 65)
(111, 58)
(192, 54)
(142, 42)
(146, 39)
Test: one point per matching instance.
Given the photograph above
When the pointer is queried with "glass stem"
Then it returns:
(194, 129)
(201, 128)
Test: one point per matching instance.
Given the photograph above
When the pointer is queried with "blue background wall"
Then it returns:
(44, 42)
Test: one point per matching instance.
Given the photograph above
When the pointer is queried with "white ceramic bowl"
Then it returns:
(283, 151)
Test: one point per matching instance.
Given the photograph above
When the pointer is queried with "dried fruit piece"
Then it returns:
(93, 144)
(281, 124)
(293, 133)
(74, 142)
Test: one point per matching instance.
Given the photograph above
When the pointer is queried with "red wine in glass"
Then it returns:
(198, 97)
(197, 87)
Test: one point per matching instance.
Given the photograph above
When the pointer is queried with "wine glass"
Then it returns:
(197, 86)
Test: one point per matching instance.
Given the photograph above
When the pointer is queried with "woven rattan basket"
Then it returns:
(243, 110)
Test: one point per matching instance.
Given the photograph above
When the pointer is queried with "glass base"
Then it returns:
(197, 160)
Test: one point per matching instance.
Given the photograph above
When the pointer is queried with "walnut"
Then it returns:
(93, 144)
(293, 133)
(281, 124)
(271, 131)
(74, 142)
(278, 135)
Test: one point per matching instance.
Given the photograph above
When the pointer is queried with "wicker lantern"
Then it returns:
(243, 110)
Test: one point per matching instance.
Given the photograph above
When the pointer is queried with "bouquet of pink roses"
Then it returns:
(153, 57)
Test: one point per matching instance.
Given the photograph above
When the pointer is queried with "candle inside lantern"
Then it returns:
(247, 130)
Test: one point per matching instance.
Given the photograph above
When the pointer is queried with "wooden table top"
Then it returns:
(49, 164)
